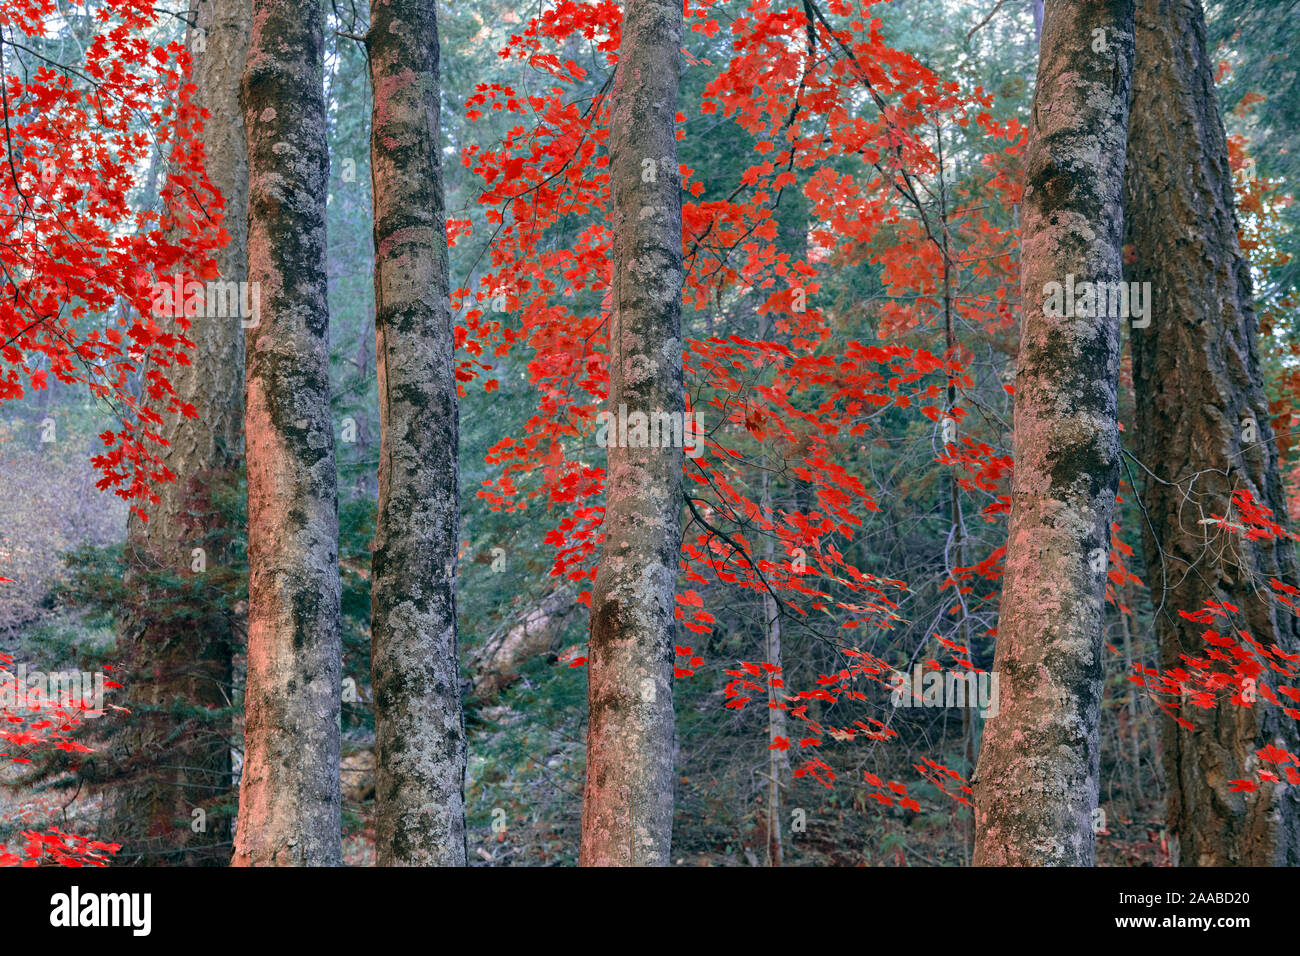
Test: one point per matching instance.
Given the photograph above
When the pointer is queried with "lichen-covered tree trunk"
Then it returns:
(289, 800)
(627, 807)
(171, 763)
(1203, 431)
(1036, 784)
(415, 670)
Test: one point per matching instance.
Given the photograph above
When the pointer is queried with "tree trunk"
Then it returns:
(778, 764)
(1199, 393)
(1134, 714)
(289, 801)
(179, 650)
(415, 669)
(627, 809)
(1037, 778)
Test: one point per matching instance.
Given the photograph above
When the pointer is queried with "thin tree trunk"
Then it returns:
(289, 800)
(627, 809)
(1135, 718)
(415, 669)
(778, 764)
(1199, 395)
(792, 217)
(365, 484)
(955, 516)
(180, 654)
(1036, 784)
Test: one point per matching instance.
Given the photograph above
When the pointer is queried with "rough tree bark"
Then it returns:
(1199, 395)
(627, 807)
(1036, 784)
(289, 801)
(415, 668)
(180, 656)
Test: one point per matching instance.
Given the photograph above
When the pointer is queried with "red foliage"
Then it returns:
(1234, 667)
(801, 405)
(30, 720)
(81, 252)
